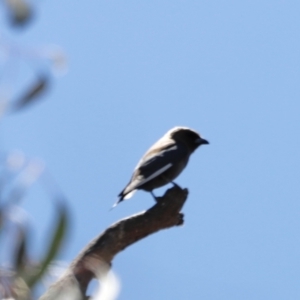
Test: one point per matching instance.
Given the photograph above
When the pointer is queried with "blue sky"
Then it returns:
(229, 69)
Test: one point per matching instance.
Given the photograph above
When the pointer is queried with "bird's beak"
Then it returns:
(202, 141)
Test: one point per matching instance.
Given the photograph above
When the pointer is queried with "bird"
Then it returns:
(163, 162)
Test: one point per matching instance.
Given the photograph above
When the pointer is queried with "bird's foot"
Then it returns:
(157, 199)
(176, 185)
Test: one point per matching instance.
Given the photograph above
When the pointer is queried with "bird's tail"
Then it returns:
(122, 197)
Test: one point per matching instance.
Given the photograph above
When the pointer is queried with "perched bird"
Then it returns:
(163, 162)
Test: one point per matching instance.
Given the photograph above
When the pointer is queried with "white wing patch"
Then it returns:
(129, 195)
(155, 174)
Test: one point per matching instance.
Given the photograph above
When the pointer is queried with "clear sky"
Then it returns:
(229, 69)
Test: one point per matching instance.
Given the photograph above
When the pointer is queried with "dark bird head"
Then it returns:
(188, 136)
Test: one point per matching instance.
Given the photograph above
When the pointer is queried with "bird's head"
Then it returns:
(188, 136)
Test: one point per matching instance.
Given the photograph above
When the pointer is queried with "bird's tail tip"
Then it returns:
(122, 196)
(120, 199)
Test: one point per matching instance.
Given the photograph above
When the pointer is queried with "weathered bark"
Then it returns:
(101, 251)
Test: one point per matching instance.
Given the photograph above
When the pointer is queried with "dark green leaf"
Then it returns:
(32, 94)
(20, 256)
(19, 12)
(58, 235)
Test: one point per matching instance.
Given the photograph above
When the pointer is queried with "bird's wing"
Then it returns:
(155, 162)
(141, 179)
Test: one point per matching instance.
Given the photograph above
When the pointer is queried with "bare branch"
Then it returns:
(164, 214)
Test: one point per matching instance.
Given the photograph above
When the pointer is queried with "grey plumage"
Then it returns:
(164, 161)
